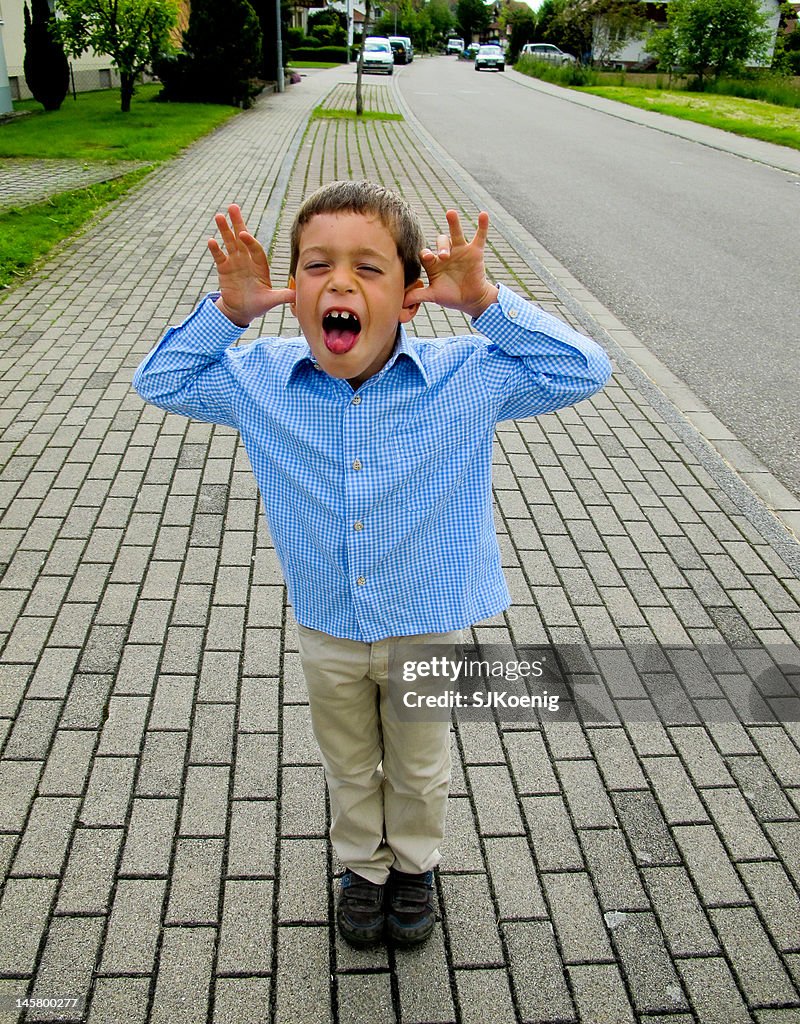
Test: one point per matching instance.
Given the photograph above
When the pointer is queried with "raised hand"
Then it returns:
(456, 272)
(245, 287)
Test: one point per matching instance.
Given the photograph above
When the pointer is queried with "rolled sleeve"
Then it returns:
(536, 363)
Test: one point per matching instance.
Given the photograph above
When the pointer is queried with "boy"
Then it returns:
(372, 451)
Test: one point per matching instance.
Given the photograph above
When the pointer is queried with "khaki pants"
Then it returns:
(388, 779)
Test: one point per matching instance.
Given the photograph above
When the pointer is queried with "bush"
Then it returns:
(330, 54)
(569, 74)
(221, 57)
(295, 37)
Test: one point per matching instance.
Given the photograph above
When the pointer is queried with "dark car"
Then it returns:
(490, 57)
(402, 49)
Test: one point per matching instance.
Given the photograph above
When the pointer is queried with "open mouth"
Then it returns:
(340, 330)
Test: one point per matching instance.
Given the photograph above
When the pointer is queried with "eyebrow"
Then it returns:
(322, 250)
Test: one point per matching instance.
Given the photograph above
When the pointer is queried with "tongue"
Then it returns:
(340, 340)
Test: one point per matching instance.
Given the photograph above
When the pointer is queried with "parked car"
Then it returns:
(402, 49)
(547, 52)
(377, 55)
(490, 57)
(455, 45)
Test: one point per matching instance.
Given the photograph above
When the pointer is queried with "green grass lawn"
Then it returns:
(90, 128)
(752, 118)
(94, 128)
(312, 64)
(344, 114)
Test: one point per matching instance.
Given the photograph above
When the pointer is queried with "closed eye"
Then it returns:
(372, 270)
(316, 266)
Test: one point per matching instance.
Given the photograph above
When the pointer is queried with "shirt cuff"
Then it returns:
(508, 307)
(209, 327)
(520, 328)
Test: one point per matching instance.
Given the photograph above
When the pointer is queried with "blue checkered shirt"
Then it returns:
(379, 501)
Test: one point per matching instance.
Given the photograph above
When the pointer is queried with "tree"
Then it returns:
(329, 26)
(662, 44)
(613, 23)
(360, 64)
(132, 32)
(717, 37)
(472, 17)
(523, 30)
(46, 66)
(221, 55)
(596, 30)
(441, 19)
(550, 27)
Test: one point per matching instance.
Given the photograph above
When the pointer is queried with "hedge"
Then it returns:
(321, 53)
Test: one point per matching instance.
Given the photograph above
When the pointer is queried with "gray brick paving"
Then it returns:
(26, 181)
(163, 813)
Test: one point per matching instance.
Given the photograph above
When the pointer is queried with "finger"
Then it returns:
(430, 262)
(443, 244)
(217, 253)
(254, 248)
(456, 232)
(237, 220)
(483, 230)
(227, 235)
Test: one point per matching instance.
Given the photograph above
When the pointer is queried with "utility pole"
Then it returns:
(279, 43)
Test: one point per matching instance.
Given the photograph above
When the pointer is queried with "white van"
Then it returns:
(455, 45)
(377, 55)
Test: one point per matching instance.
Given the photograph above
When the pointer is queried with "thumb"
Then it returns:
(419, 295)
(282, 296)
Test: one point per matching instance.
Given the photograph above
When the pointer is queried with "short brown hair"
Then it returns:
(366, 197)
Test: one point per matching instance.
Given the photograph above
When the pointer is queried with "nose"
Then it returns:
(340, 280)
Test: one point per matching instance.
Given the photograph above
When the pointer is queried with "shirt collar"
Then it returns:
(403, 347)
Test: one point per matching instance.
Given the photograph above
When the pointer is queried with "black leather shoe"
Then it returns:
(411, 913)
(360, 912)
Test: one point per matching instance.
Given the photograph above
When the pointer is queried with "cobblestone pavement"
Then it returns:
(162, 806)
(24, 181)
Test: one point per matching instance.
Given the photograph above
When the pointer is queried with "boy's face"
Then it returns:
(350, 292)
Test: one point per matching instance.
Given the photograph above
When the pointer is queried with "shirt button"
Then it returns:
(358, 525)
(316, 366)
(356, 465)
(361, 581)
(512, 313)
(356, 399)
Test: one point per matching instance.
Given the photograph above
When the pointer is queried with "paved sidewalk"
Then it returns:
(162, 807)
(24, 181)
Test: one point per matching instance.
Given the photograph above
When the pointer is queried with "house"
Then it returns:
(633, 54)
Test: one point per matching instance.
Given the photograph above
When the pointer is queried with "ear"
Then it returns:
(293, 285)
(410, 308)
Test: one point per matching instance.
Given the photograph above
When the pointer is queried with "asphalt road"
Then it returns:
(697, 251)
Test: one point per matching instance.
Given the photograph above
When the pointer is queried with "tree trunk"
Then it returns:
(359, 97)
(126, 91)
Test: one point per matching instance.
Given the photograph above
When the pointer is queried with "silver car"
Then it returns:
(547, 52)
(490, 57)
